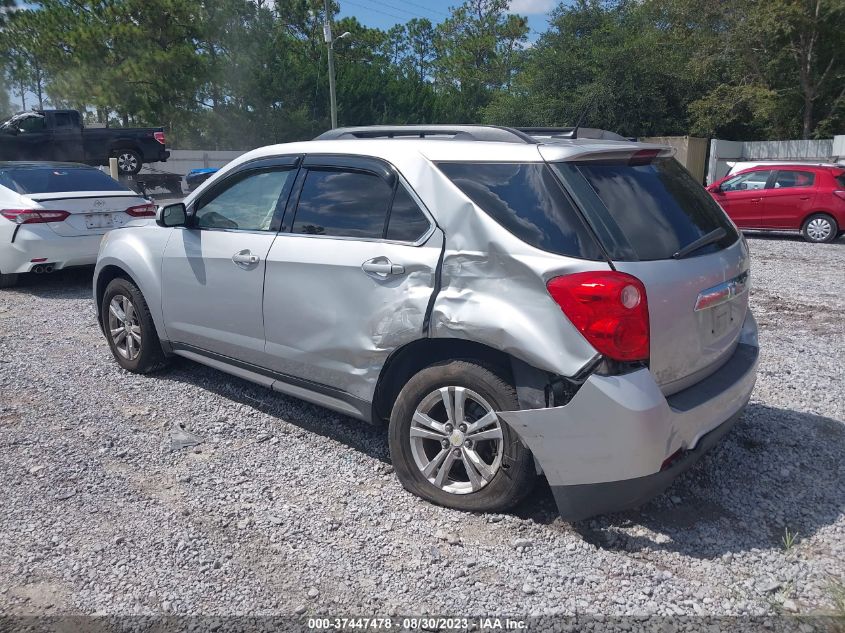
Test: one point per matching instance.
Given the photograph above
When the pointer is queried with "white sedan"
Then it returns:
(53, 215)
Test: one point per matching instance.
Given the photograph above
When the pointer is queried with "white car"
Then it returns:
(53, 215)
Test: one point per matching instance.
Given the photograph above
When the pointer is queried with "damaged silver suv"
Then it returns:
(513, 302)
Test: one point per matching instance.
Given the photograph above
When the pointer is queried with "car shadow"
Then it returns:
(774, 480)
(68, 283)
(356, 434)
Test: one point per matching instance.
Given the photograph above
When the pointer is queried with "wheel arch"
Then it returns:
(810, 214)
(105, 276)
(531, 383)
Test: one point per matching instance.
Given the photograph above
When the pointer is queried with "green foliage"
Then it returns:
(233, 74)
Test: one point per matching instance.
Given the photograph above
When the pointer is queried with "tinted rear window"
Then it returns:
(57, 180)
(527, 200)
(841, 179)
(646, 212)
(343, 204)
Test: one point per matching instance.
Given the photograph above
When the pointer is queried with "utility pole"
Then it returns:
(327, 35)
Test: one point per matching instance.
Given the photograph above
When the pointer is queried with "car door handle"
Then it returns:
(245, 258)
(382, 266)
(756, 199)
(805, 197)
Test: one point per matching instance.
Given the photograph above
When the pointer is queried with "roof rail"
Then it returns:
(571, 132)
(456, 132)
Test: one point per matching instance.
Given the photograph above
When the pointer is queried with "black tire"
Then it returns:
(129, 161)
(516, 475)
(7, 281)
(819, 220)
(150, 357)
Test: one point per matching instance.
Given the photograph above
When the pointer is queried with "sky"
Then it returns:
(385, 13)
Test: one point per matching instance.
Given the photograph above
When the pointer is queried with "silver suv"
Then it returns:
(512, 302)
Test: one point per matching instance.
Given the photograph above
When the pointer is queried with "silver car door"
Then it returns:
(213, 270)
(348, 284)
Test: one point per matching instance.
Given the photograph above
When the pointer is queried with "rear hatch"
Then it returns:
(657, 223)
(91, 212)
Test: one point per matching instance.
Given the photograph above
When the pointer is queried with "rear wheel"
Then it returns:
(7, 281)
(129, 328)
(449, 446)
(128, 161)
(820, 227)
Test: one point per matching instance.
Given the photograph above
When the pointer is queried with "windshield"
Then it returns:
(645, 211)
(57, 179)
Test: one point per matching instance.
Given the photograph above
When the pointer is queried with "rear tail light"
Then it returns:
(840, 194)
(609, 308)
(142, 211)
(159, 136)
(34, 216)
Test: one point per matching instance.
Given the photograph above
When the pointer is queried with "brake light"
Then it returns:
(839, 193)
(609, 308)
(34, 216)
(142, 211)
(644, 156)
(159, 136)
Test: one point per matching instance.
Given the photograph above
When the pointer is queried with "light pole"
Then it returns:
(327, 36)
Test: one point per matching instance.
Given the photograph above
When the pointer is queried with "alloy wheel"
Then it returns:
(456, 440)
(127, 162)
(124, 328)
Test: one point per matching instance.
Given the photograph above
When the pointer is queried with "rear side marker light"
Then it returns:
(38, 259)
(159, 136)
(142, 211)
(34, 216)
(609, 308)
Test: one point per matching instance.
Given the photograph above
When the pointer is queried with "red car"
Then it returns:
(805, 198)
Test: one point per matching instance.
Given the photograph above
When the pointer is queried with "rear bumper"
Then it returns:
(38, 241)
(163, 156)
(605, 450)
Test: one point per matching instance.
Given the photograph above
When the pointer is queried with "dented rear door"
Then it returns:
(346, 283)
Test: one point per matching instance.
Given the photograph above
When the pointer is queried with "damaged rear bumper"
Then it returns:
(620, 441)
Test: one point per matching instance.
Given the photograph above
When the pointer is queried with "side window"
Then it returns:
(249, 204)
(407, 222)
(340, 203)
(63, 120)
(794, 179)
(32, 124)
(527, 200)
(747, 182)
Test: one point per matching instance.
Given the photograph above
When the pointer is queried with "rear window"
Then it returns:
(527, 200)
(645, 212)
(841, 179)
(27, 180)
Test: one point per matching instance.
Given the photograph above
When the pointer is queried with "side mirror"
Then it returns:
(172, 215)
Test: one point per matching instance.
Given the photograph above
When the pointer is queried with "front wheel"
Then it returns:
(819, 228)
(129, 328)
(448, 445)
(128, 161)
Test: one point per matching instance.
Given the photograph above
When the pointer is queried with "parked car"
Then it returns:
(810, 199)
(509, 305)
(58, 135)
(196, 177)
(52, 215)
(734, 167)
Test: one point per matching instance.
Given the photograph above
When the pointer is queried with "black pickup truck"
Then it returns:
(59, 135)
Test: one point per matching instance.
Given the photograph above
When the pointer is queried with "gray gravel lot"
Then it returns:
(286, 507)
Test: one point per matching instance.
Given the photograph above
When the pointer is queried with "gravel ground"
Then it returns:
(289, 508)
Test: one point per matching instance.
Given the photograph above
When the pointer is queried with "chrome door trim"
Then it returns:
(722, 292)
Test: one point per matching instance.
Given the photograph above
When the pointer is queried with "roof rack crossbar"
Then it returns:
(462, 132)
